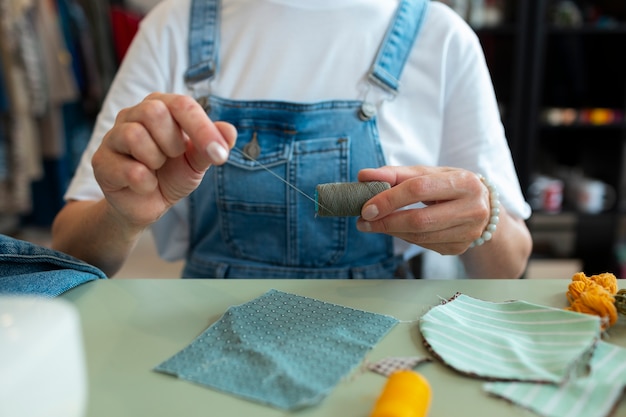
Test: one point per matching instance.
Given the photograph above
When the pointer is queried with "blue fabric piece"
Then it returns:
(27, 268)
(280, 349)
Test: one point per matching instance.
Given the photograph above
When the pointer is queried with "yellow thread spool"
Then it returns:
(406, 394)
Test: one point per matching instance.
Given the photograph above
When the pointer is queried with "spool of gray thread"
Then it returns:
(345, 199)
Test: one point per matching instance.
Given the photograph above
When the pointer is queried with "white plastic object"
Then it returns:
(42, 363)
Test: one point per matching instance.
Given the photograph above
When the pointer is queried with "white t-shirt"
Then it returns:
(446, 113)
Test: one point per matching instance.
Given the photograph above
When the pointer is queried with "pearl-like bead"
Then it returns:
(494, 201)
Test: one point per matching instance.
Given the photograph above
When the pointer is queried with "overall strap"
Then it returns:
(203, 40)
(385, 72)
(397, 44)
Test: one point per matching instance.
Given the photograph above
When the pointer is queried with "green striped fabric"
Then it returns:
(510, 341)
(592, 396)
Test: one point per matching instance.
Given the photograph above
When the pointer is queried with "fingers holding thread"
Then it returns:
(345, 199)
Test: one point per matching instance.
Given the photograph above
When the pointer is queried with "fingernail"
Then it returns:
(363, 226)
(369, 212)
(217, 152)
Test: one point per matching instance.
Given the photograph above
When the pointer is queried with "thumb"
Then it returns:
(228, 131)
(223, 138)
(216, 150)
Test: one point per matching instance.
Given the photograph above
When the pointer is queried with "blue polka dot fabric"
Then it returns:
(280, 349)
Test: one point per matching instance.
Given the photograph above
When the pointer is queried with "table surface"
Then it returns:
(130, 326)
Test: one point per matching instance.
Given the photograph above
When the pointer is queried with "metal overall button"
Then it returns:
(367, 111)
(252, 149)
(204, 102)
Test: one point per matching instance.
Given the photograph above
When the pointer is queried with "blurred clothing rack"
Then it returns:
(57, 60)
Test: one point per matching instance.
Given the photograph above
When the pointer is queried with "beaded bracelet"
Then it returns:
(494, 202)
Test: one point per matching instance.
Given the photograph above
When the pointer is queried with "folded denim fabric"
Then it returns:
(30, 269)
(510, 341)
(280, 349)
(592, 395)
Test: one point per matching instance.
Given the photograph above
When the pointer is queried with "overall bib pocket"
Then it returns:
(258, 210)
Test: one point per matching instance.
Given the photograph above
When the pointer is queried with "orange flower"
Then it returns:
(607, 281)
(594, 295)
(576, 288)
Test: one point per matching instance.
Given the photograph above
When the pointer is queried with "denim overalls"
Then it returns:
(245, 222)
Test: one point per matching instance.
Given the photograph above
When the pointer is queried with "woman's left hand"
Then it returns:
(457, 207)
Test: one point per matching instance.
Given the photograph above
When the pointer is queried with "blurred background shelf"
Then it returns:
(548, 55)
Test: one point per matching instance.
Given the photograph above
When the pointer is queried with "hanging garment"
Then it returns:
(99, 20)
(125, 24)
(22, 151)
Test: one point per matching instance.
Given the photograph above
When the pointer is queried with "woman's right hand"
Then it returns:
(156, 154)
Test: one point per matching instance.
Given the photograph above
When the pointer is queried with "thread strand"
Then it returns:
(279, 177)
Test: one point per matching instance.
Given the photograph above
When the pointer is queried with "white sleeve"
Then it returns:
(155, 62)
(473, 134)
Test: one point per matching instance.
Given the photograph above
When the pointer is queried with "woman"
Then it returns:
(315, 92)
